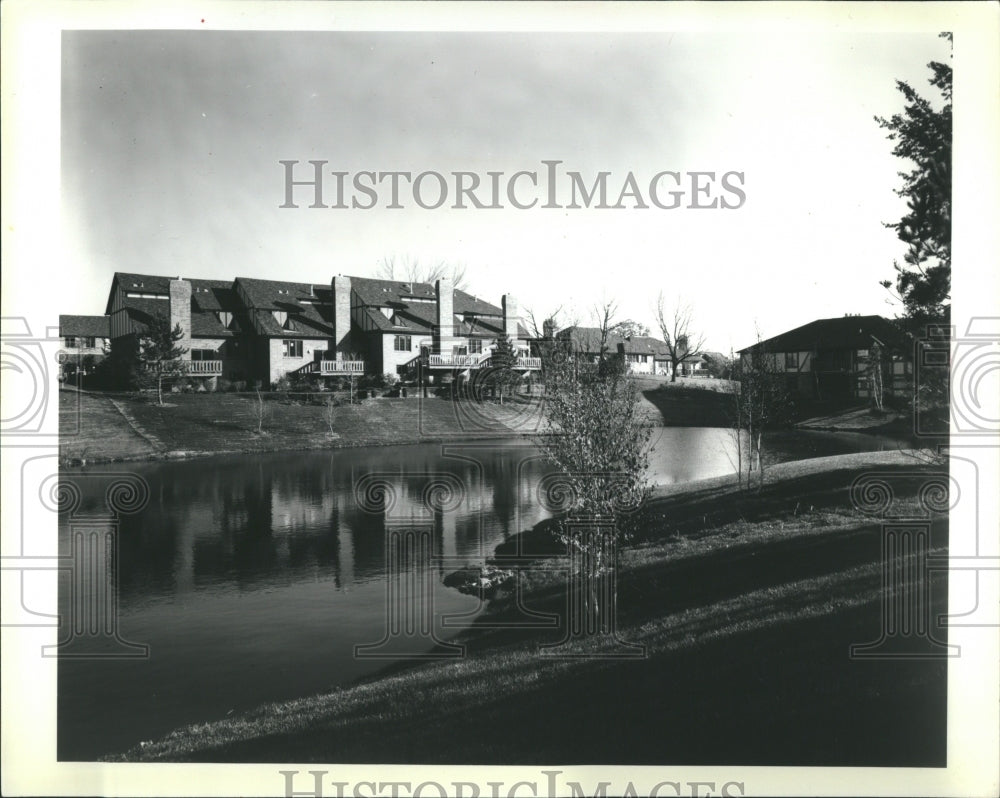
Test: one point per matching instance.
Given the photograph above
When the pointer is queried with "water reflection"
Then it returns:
(253, 578)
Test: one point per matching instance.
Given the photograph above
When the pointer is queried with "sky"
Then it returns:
(172, 142)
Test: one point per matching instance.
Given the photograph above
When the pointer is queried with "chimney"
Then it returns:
(180, 312)
(510, 316)
(445, 330)
(549, 328)
(341, 314)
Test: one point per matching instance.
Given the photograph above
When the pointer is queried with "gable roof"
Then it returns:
(309, 307)
(208, 298)
(841, 332)
(393, 293)
(87, 326)
(588, 340)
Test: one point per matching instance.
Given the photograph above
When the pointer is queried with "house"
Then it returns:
(255, 329)
(642, 354)
(704, 364)
(85, 341)
(831, 358)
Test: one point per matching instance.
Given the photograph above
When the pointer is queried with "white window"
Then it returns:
(291, 348)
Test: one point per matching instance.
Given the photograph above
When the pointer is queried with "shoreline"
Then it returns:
(91, 426)
(686, 540)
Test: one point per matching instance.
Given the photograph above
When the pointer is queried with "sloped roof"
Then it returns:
(393, 293)
(208, 298)
(308, 305)
(89, 326)
(588, 339)
(841, 332)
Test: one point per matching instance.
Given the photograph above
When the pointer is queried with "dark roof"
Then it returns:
(588, 339)
(89, 326)
(208, 298)
(308, 305)
(841, 332)
(393, 293)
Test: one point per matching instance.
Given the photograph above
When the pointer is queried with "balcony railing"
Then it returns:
(455, 361)
(521, 363)
(329, 367)
(203, 368)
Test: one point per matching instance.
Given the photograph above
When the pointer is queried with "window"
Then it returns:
(204, 354)
(475, 346)
(280, 316)
(403, 343)
(224, 317)
(71, 342)
(791, 360)
(291, 348)
(88, 342)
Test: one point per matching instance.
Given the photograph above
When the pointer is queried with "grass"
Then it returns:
(125, 428)
(689, 402)
(747, 621)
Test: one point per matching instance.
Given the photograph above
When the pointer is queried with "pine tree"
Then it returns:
(159, 353)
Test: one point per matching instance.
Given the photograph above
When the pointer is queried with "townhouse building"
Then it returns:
(254, 329)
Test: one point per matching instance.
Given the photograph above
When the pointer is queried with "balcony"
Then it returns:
(454, 361)
(522, 363)
(203, 368)
(329, 368)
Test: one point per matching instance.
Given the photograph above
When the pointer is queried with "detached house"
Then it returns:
(832, 358)
(642, 353)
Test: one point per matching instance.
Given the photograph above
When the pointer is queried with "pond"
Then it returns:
(254, 578)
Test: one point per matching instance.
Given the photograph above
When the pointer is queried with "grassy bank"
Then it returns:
(747, 608)
(103, 428)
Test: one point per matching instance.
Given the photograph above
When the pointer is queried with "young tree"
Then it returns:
(683, 343)
(600, 445)
(159, 354)
(502, 363)
(760, 401)
(604, 315)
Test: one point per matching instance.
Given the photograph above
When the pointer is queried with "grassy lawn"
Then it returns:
(689, 402)
(91, 428)
(747, 613)
(224, 422)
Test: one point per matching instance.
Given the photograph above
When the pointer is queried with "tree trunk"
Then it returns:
(159, 389)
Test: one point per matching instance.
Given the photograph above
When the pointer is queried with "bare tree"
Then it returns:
(412, 270)
(604, 315)
(683, 343)
(550, 321)
(760, 401)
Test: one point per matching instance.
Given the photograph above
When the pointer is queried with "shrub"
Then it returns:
(222, 385)
(240, 385)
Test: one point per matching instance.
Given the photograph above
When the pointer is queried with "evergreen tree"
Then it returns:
(159, 353)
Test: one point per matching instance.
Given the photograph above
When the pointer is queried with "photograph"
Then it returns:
(483, 400)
